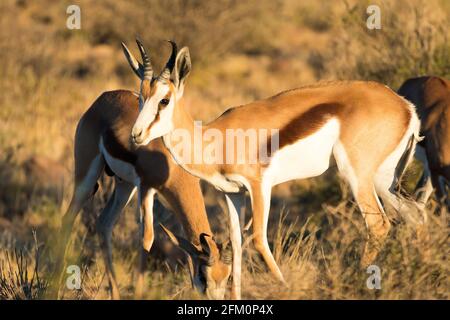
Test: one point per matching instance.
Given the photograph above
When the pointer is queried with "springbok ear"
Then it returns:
(184, 244)
(206, 247)
(182, 68)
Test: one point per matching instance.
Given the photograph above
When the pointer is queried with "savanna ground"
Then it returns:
(241, 51)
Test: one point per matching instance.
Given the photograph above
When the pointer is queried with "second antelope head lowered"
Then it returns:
(159, 93)
(209, 264)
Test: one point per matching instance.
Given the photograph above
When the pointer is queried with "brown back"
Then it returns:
(431, 95)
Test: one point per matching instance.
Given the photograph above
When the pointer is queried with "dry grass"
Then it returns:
(242, 50)
(319, 259)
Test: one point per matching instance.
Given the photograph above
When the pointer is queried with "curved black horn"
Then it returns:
(135, 65)
(147, 66)
(167, 71)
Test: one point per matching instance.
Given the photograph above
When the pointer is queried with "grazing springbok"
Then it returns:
(431, 95)
(368, 128)
(102, 143)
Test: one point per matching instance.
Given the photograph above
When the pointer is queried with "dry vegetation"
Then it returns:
(241, 50)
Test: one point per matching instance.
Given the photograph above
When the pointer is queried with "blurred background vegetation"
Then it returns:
(241, 51)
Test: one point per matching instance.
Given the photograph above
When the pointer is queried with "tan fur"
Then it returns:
(147, 90)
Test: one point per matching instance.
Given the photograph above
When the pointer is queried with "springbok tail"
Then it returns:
(411, 210)
(405, 160)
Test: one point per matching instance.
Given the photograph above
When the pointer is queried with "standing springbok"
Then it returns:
(102, 143)
(431, 95)
(366, 126)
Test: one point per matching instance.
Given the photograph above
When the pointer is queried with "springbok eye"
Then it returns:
(164, 102)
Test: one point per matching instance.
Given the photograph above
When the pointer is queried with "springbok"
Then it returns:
(102, 143)
(431, 95)
(368, 128)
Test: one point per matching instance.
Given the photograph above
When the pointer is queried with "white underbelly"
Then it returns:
(306, 158)
(122, 169)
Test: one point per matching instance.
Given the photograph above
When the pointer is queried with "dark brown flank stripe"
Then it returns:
(306, 124)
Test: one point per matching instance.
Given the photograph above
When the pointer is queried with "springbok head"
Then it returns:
(209, 267)
(159, 94)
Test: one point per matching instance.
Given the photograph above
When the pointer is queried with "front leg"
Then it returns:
(424, 186)
(234, 203)
(145, 207)
(260, 194)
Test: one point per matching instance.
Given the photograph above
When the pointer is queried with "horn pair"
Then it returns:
(144, 70)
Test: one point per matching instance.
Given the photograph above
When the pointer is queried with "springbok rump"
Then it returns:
(102, 144)
(368, 128)
(431, 95)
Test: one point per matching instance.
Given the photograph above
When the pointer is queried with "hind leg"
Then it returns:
(106, 221)
(362, 186)
(377, 223)
(82, 191)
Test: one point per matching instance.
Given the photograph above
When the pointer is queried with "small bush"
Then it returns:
(18, 279)
(409, 44)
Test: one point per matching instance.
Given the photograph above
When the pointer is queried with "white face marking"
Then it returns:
(148, 114)
(306, 158)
